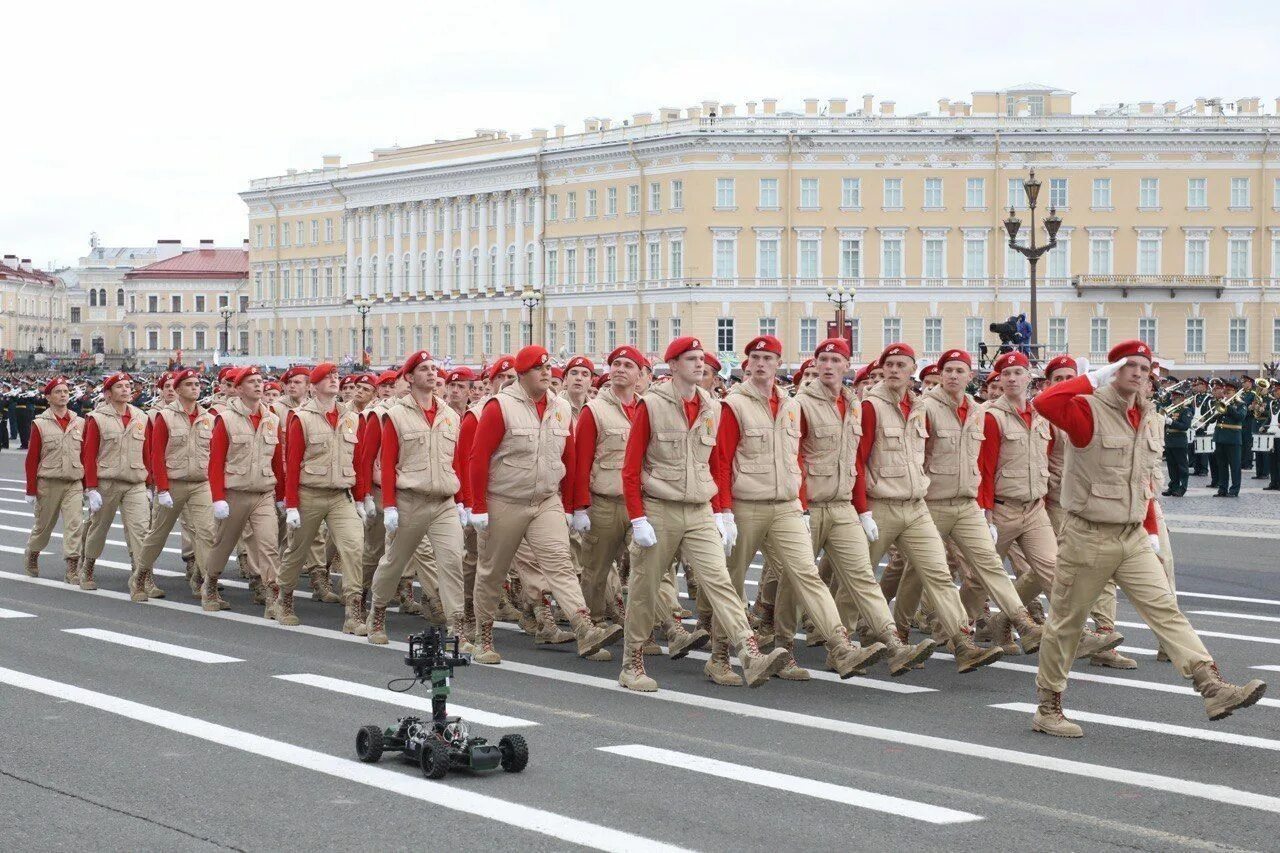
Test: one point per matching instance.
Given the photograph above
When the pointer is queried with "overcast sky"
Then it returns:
(143, 120)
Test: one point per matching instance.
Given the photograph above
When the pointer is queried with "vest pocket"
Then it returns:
(893, 438)
(1109, 491)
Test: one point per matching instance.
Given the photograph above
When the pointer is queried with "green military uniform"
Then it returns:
(1247, 399)
(1200, 461)
(1273, 458)
(1177, 438)
(1228, 434)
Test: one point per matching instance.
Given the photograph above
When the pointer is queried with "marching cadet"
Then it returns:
(115, 473)
(21, 411)
(522, 456)
(667, 488)
(930, 377)
(807, 373)
(179, 445)
(578, 374)
(1177, 437)
(271, 391)
(319, 475)
(1109, 534)
(361, 387)
(889, 495)
(419, 476)
(246, 484)
(54, 474)
(1227, 441)
(457, 385)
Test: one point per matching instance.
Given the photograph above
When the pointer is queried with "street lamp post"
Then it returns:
(839, 296)
(530, 299)
(226, 311)
(363, 306)
(1033, 252)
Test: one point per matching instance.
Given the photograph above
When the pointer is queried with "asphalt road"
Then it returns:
(250, 746)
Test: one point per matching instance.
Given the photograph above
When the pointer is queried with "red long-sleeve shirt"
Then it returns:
(865, 444)
(638, 446)
(219, 443)
(462, 455)
(295, 449)
(367, 450)
(33, 452)
(727, 437)
(584, 441)
(489, 434)
(1063, 406)
(159, 431)
(92, 442)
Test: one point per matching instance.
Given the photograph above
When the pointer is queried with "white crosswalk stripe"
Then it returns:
(1219, 634)
(115, 542)
(404, 700)
(1216, 597)
(27, 515)
(1227, 615)
(1151, 726)
(15, 614)
(197, 655)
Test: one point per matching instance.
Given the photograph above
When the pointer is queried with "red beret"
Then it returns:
(442, 374)
(896, 349)
(991, 377)
(386, 377)
(245, 372)
(182, 376)
(502, 365)
(113, 379)
(930, 370)
(1124, 349)
(600, 380)
(1060, 362)
(414, 360)
(530, 357)
(54, 383)
(680, 346)
(321, 370)
(954, 355)
(627, 351)
(580, 361)
(804, 365)
(863, 373)
(764, 343)
(272, 385)
(1010, 359)
(163, 378)
(836, 345)
(348, 380)
(226, 372)
(296, 370)
(460, 374)
(712, 362)
(557, 373)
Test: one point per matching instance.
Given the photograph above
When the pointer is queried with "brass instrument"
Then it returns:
(1177, 407)
(1259, 407)
(1221, 408)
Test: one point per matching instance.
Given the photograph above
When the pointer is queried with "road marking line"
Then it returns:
(15, 614)
(151, 645)
(27, 515)
(1235, 534)
(1269, 667)
(795, 784)
(459, 799)
(109, 542)
(1229, 598)
(1225, 615)
(1150, 726)
(113, 564)
(1134, 650)
(1144, 626)
(1224, 519)
(1217, 793)
(404, 700)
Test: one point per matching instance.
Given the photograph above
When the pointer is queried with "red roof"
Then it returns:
(198, 263)
(14, 273)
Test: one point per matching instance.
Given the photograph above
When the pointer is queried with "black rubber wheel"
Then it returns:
(434, 759)
(369, 744)
(515, 753)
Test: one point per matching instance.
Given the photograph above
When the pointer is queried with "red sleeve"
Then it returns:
(1061, 405)
(218, 445)
(277, 468)
(727, 437)
(33, 459)
(147, 461)
(569, 458)
(462, 458)
(1149, 523)
(89, 454)
(366, 453)
(864, 453)
(585, 445)
(158, 435)
(633, 461)
(295, 447)
(988, 460)
(389, 447)
(489, 434)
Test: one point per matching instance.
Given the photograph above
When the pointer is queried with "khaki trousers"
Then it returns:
(423, 566)
(1104, 611)
(973, 596)
(135, 514)
(193, 503)
(188, 544)
(56, 498)
(893, 572)
(1093, 553)
(909, 525)
(1027, 524)
(337, 509)
(469, 559)
(436, 519)
(542, 524)
(250, 525)
(375, 542)
(600, 545)
(961, 522)
(687, 529)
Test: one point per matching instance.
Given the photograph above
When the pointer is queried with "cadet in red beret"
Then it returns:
(297, 382)
(930, 376)
(503, 370)
(578, 376)
(807, 372)
(53, 468)
(680, 346)
(457, 389)
(1060, 368)
(629, 352)
(862, 380)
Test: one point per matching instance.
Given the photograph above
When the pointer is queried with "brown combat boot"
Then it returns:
(971, 656)
(651, 647)
(1220, 697)
(1029, 632)
(903, 657)
(271, 611)
(322, 586)
(547, 632)
(138, 586)
(1035, 609)
(352, 623)
(86, 574)
(284, 608)
(194, 579)
(149, 585)
(527, 621)
(487, 653)
(211, 599)
(633, 676)
(1049, 718)
(1096, 642)
(506, 612)
(73, 570)
(1162, 656)
(757, 666)
(717, 667)
(1112, 659)
(593, 638)
(32, 563)
(849, 660)
(376, 626)
(255, 587)
(1001, 628)
(404, 596)
(242, 566)
(791, 669)
(458, 628)
(433, 610)
(680, 642)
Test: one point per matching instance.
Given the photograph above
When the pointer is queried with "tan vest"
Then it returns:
(830, 445)
(120, 449)
(1109, 480)
(677, 461)
(766, 466)
(186, 456)
(952, 448)
(528, 463)
(1057, 461)
(328, 462)
(576, 410)
(426, 450)
(249, 452)
(613, 428)
(895, 468)
(59, 450)
(1022, 472)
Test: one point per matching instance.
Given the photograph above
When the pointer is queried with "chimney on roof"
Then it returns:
(1200, 106)
(206, 243)
(331, 161)
(538, 133)
(868, 104)
(606, 123)
(727, 110)
(944, 106)
(1146, 108)
(811, 106)
(169, 242)
(751, 108)
(1248, 106)
(245, 242)
(591, 125)
(770, 106)
(709, 107)
(1170, 107)
(886, 108)
(559, 130)
(838, 106)
(25, 265)
(669, 114)
(693, 112)
(641, 118)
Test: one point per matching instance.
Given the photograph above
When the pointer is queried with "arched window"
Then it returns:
(93, 299)
(391, 270)
(102, 297)
(528, 267)
(457, 267)
(373, 269)
(405, 273)
(120, 297)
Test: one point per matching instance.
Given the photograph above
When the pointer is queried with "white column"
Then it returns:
(349, 225)
(519, 241)
(364, 253)
(432, 286)
(447, 284)
(380, 246)
(482, 243)
(464, 244)
(536, 200)
(395, 275)
(500, 238)
(415, 268)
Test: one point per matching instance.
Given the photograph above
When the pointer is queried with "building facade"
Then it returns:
(33, 307)
(729, 223)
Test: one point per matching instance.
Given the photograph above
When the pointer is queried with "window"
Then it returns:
(591, 265)
(1275, 336)
(724, 335)
(1147, 331)
(1149, 193)
(975, 258)
(855, 334)
(655, 197)
(153, 304)
(315, 236)
(1275, 194)
(975, 193)
(768, 192)
(932, 335)
(611, 264)
(1100, 255)
(724, 262)
(677, 196)
(610, 335)
(75, 318)
(553, 265)
(1099, 335)
(611, 201)
(725, 194)
(120, 297)
(1057, 192)
(571, 266)
(633, 262)
(851, 192)
(677, 259)
(850, 258)
(934, 257)
(271, 239)
(284, 234)
(1238, 257)
(767, 258)
(893, 193)
(810, 252)
(891, 258)
(1015, 265)
(633, 332)
(199, 305)
(591, 336)
(809, 193)
(553, 207)
(175, 303)
(571, 336)
(1240, 193)
(1057, 341)
(257, 236)
(633, 198)
(675, 327)
(93, 298)
(153, 339)
(301, 239)
(808, 334)
(1195, 335)
(175, 335)
(1197, 256)
(1238, 336)
(769, 326)
(653, 269)
(653, 334)
(1148, 256)
(1060, 258)
(571, 205)
(1017, 194)
(592, 203)
(1197, 192)
(891, 330)
(1102, 193)
(933, 193)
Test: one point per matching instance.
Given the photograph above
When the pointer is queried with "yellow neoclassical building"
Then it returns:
(727, 221)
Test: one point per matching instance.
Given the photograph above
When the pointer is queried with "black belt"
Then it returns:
(1229, 426)
(1177, 431)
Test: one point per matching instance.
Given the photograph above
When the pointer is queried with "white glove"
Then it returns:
(1082, 366)
(995, 534)
(869, 526)
(480, 521)
(391, 518)
(164, 499)
(581, 522)
(370, 508)
(95, 500)
(729, 529)
(808, 523)
(29, 498)
(362, 512)
(1103, 375)
(280, 506)
(642, 532)
(464, 514)
(221, 510)
(1155, 542)
(292, 518)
